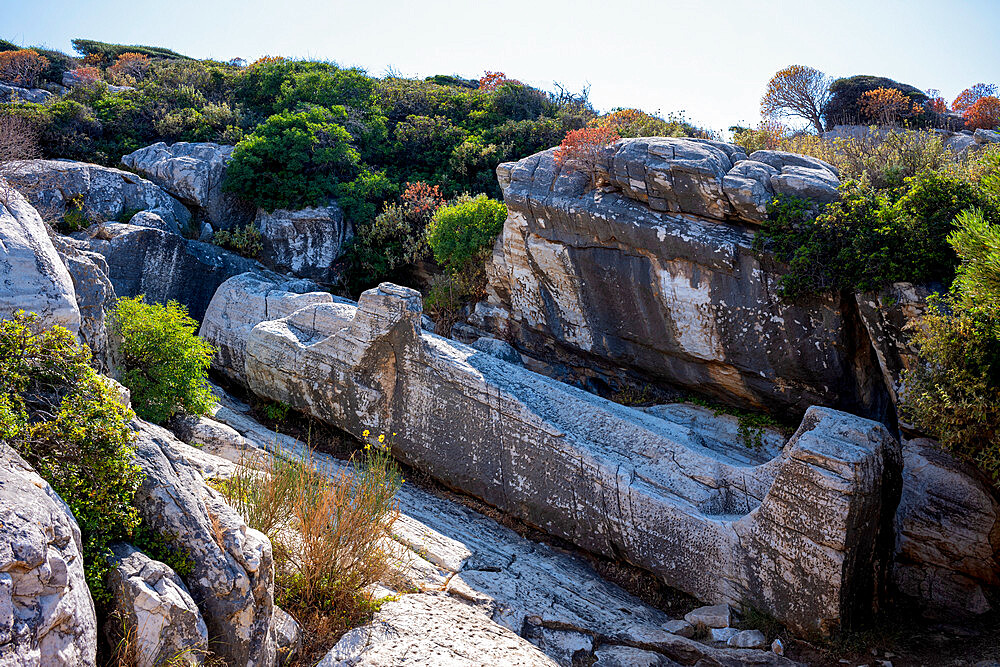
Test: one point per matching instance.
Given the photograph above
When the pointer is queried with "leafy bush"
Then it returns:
(636, 123)
(984, 114)
(162, 360)
(246, 240)
(293, 159)
(396, 238)
(70, 425)
(109, 52)
(870, 238)
(463, 232)
(844, 106)
(129, 68)
(584, 149)
(21, 67)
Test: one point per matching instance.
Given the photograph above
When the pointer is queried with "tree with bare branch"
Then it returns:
(797, 91)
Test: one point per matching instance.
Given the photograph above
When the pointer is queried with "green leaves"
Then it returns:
(461, 232)
(70, 425)
(163, 362)
(294, 159)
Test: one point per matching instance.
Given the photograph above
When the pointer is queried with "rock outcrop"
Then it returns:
(947, 533)
(429, 629)
(10, 94)
(152, 604)
(165, 266)
(241, 303)
(232, 578)
(46, 612)
(887, 314)
(32, 276)
(653, 277)
(804, 535)
(305, 243)
(193, 172)
(555, 600)
(94, 295)
(104, 193)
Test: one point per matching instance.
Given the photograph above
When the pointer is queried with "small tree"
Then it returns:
(797, 91)
(18, 139)
(462, 232)
(87, 74)
(163, 362)
(971, 95)
(21, 67)
(886, 106)
(983, 114)
(129, 68)
(583, 149)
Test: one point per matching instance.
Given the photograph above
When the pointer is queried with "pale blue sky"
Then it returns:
(709, 59)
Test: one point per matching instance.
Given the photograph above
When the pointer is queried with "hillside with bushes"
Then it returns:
(302, 364)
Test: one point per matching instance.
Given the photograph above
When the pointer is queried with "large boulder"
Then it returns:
(10, 94)
(165, 266)
(305, 243)
(94, 295)
(46, 612)
(798, 532)
(32, 276)
(232, 577)
(947, 533)
(241, 303)
(152, 604)
(600, 282)
(194, 173)
(105, 193)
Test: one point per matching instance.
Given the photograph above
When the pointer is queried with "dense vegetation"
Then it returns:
(161, 359)
(71, 426)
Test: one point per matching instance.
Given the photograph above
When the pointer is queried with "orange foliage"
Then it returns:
(493, 80)
(983, 114)
(583, 149)
(93, 59)
(971, 95)
(421, 198)
(935, 103)
(888, 105)
(129, 67)
(267, 60)
(87, 74)
(21, 67)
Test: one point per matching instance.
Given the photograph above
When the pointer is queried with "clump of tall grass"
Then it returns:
(329, 526)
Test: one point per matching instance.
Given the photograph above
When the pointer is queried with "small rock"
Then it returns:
(287, 636)
(494, 347)
(723, 634)
(206, 233)
(778, 647)
(154, 221)
(715, 616)
(748, 639)
(679, 627)
(626, 656)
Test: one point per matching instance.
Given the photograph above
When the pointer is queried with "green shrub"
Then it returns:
(870, 238)
(111, 51)
(293, 160)
(246, 240)
(463, 232)
(844, 105)
(70, 425)
(162, 360)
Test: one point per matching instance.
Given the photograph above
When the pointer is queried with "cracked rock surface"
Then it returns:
(510, 587)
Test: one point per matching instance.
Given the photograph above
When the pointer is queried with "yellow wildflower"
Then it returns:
(365, 433)
(381, 438)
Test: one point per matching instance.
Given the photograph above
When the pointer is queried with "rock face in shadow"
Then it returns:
(653, 275)
(166, 266)
(94, 295)
(232, 578)
(947, 533)
(804, 535)
(306, 243)
(46, 612)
